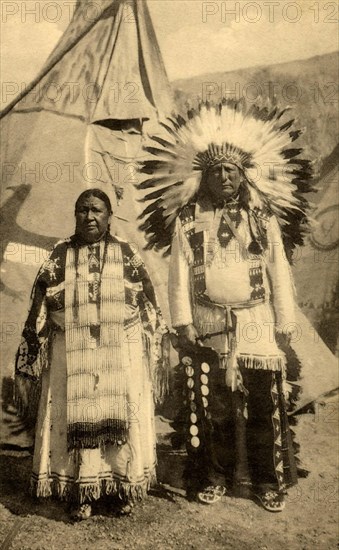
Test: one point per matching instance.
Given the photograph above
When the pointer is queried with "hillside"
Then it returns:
(309, 86)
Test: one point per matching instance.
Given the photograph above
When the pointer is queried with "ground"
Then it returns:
(167, 520)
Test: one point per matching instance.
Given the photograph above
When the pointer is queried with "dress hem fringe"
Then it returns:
(72, 491)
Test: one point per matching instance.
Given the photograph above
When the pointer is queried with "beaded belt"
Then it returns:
(204, 300)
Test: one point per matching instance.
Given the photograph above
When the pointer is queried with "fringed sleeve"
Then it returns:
(160, 361)
(156, 343)
(179, 279)
(31, 358)
(32, 355)
(155, 332)
(283, 293)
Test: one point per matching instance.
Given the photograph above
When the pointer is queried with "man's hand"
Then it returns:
(188, 336)
(283, 338)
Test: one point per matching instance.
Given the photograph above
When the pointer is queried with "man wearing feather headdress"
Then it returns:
(230, 205)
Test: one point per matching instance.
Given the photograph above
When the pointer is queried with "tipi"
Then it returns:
(316, 265)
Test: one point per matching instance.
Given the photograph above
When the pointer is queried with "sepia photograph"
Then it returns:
(169, 288)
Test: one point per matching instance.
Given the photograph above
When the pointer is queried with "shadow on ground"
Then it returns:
(14, 488)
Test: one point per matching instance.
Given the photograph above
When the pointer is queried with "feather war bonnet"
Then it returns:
(256, 139)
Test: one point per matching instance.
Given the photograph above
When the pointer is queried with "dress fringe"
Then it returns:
(76, 492)
(85, 436)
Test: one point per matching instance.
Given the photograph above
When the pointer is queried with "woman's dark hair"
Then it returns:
(95, 192)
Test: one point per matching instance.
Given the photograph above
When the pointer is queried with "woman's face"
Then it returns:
(223, 181)
(92, 219)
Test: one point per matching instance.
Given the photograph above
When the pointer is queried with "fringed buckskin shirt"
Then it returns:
(236, 300)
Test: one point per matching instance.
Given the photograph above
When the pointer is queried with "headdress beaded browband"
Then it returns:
(255, 139)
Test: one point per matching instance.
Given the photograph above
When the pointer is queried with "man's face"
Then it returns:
(92, 219)
(223, 181)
